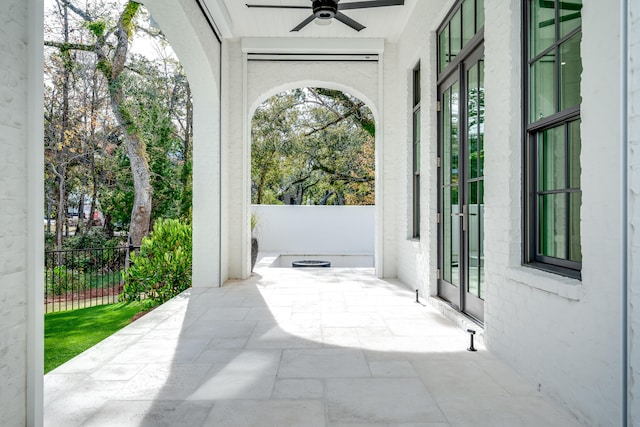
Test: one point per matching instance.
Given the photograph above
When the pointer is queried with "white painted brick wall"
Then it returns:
(233, 164)
(416, 259)
(265, 79)
(528, 321)
(560, 333)
(13, 201)
(634, 207)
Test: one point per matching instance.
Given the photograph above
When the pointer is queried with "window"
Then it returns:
(416, 152)
(552, 135)
(463, 23)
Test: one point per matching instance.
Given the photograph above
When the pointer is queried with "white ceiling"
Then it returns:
(380, 22)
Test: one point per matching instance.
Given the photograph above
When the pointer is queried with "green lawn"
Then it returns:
(69, 333)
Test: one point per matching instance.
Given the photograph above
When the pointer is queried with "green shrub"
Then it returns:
(59, 281)
(162, 268)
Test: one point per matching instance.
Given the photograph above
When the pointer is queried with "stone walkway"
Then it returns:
(293, 347)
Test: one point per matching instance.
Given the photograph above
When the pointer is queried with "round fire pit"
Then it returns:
(310, 263)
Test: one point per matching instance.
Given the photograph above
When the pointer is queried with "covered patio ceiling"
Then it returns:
(236, 20)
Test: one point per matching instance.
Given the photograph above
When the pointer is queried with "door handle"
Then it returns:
(463, 215)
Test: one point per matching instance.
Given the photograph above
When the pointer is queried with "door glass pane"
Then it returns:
(416, 139)
(551, 159)
(468, 21)
(446, 137)
(575, 250)
(542, 88)
(574, 154)
(481, 117)
(455, 107)
(472, 120)
(456, 34)
(570, 70)
(552, 218)
(570, 16)
(480, 14)
(543, 30)
(446, 233)
(473, 241)
(444, 48)
(481, 239)
(455, 236)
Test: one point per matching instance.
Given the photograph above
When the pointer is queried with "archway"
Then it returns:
(200, 51)
(314, 146)
(330, 75)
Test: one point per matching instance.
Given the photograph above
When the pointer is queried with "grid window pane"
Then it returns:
(481, 239)
(542, 27)
(551, 159)
(552, 210)
(416, 125)
(570, 16)
(575, 249)
(542, 88)
(444, 48)
(479, 14)
(468, 21)
(447, 231)
(570, 70)
(473, 242)
(481, 117)
(456, 34)
(446, 136)
(472, 120)
(574, 154)
(455, 133)
(553, 93)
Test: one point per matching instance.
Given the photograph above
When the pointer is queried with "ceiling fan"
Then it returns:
(329, 9)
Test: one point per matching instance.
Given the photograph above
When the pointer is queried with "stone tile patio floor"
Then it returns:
(294, 347)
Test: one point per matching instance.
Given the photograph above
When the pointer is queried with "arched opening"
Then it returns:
(199, 53)
(313, 177)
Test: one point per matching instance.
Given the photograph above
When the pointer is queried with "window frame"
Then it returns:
(415, 149)
(531, 130)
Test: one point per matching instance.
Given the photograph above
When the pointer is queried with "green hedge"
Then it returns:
(162, 267)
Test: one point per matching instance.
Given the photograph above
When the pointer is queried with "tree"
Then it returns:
(314, 146)
(130, 113)
(111, 45)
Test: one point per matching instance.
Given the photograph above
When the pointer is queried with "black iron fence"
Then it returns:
(78, 278)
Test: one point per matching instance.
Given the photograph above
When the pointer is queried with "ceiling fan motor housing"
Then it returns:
(325, 9)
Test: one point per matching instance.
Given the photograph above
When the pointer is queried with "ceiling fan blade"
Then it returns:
(273, 6)
(369, 4)
(304, 23)
(348, 21)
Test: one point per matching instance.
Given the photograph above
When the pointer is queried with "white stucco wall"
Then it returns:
(21, 195)
(315, 230)
(634, 208)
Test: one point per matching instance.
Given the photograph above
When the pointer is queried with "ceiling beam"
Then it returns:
(312, 45)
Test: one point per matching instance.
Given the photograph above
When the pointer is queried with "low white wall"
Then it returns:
(335, 230)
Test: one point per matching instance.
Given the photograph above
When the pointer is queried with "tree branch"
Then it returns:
(70, 46)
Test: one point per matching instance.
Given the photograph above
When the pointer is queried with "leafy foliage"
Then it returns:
(313, 146)
(162, 268)
(86, 158)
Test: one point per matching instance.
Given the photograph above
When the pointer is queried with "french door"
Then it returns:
(461, 186)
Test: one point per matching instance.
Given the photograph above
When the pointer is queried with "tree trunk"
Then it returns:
(137, 153)
(60, 214)
(141, 212)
